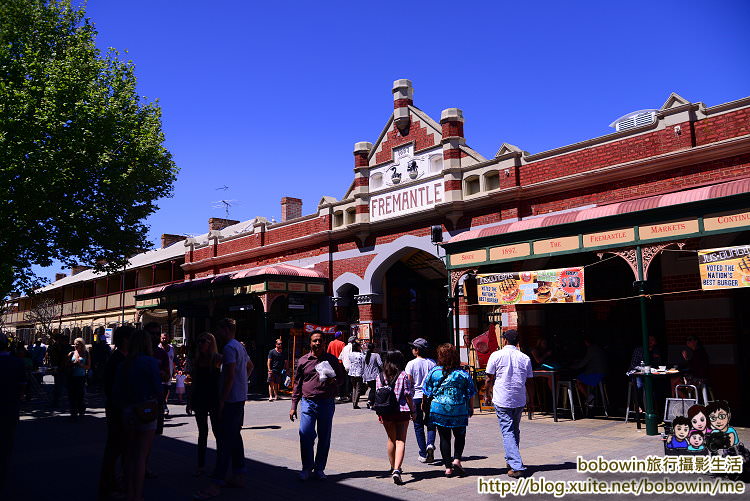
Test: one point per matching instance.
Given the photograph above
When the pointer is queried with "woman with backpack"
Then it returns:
(373, 366)
(394, 406)
(447, 398)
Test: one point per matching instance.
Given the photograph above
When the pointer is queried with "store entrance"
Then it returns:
(415, 300)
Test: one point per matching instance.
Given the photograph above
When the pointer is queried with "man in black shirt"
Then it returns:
(277, 364)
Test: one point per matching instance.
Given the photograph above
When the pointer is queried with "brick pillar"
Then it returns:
(452, 121)
(362, 181)
(403, 97)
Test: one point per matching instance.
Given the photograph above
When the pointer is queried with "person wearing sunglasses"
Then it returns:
(203, 398)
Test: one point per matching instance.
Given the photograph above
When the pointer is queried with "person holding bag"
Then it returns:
(395, 408)
(138, 391)
(447, 396)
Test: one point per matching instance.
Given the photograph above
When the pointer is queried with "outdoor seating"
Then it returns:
(569, 386)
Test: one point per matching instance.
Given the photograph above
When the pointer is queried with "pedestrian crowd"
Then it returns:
(430, 394)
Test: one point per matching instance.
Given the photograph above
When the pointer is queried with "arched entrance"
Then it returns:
(415, 299)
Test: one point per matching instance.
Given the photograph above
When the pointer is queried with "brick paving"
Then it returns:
(66, 455)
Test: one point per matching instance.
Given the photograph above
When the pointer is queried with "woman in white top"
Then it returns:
(356, 369)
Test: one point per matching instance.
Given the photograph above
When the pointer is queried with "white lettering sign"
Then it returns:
(410, 199)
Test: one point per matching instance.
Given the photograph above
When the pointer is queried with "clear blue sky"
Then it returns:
(269, 98)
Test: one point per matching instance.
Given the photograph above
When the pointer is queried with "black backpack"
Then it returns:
(385, 398)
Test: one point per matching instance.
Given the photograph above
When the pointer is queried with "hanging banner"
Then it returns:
(564, 285)
(324, 329)
(724, 268)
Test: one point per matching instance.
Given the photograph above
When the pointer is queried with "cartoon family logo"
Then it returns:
(705, 430)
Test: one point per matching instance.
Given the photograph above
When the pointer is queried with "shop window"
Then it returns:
(471, 185)
(491, 180)
(436, 164)
(351, 216)
(338, 218)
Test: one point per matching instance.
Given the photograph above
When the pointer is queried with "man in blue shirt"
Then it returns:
(507, 371)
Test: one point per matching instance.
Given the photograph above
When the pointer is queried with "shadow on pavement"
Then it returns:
(52, 450)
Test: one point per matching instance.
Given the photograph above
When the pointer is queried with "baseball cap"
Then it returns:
(337, 334)
(420, 343)
(511, 336)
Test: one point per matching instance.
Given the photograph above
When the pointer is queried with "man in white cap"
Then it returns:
(418, 369)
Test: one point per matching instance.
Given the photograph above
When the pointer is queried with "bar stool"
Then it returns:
(569, 385)
(601, 388)
(632, 399)
(705, 389)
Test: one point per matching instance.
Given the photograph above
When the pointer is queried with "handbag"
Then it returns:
(427, 401)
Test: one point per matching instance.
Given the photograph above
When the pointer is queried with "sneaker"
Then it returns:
(430, 453)
(396, 476)
(320, 475)
(304, 475)
(422, 459)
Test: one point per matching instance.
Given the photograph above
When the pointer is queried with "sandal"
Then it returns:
(459, 470)
(448, 472)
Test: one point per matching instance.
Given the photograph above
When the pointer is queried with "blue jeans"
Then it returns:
(229, 446)
(509, 419)
(315, 412)
(419, 426)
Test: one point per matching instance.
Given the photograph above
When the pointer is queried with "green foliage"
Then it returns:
(82, 160)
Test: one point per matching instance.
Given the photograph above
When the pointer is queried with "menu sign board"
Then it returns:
(564, 285)
(724, 268)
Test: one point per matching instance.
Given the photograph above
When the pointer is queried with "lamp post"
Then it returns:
(640, 288)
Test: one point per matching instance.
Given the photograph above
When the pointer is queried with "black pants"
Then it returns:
(114, 449)
(201, 420)
(371, 395)
(357, 390)
(445, 443)
(76, 390)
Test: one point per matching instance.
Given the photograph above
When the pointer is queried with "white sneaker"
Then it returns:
(430, 454)
(421, 459)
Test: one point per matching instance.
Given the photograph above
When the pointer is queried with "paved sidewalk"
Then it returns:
(56, 458)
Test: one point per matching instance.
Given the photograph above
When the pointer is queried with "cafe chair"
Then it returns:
(601, 391)
(569, 386)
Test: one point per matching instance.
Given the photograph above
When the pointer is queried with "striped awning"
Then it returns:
(671, 199)
(279, 269)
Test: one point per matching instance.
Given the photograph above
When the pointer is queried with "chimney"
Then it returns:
(361, 152)
(59, 276)
(291, 208)
(168, 239)
(217, 223)
(403, 97)
(75, 270)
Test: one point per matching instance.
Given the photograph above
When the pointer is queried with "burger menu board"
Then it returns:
(564, 285)
(725, 268)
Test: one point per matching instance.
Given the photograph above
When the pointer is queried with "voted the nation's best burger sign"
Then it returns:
(724, 268)
(564, 285)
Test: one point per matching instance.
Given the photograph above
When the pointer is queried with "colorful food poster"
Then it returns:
(564, 285)
(725, 268)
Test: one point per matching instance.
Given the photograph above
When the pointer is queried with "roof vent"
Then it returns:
(634, 120)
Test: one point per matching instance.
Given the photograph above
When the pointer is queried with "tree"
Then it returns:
(82, 159)
(42, 314)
